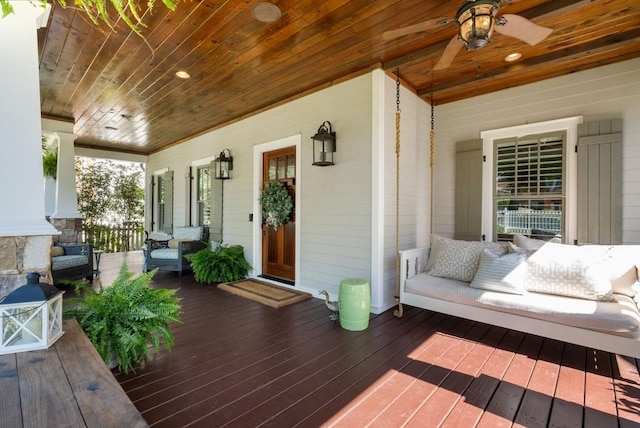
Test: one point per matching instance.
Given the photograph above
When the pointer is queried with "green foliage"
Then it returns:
(109, 192)
(128, 193)
(276, 204)
(122, 319)
(94, 192)
(99, 10)
(224, 264)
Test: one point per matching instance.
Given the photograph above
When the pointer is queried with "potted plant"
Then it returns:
(222, 264)
(123, 319)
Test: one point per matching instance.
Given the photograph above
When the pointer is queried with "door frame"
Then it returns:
(258, 150)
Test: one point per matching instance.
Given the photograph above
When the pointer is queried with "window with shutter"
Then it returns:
(203, 195)
(529, 191)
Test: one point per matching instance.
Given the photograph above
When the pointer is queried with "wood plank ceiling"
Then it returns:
(121, 92)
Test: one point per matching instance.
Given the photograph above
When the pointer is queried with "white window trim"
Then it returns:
(194, 184)
(570, 126)
(157, 173)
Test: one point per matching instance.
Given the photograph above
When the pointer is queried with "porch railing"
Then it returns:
(115, 238)
(515, 221)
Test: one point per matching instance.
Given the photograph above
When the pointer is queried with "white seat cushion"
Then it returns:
(65, 262)
(193, 233)
(165, 254)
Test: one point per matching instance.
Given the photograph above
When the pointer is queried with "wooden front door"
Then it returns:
(279, 246)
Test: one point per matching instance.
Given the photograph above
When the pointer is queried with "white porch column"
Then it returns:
(25, 235)
(66, 195)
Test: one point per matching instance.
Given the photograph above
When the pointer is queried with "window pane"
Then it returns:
(204, 196)
(272, 169)
(529, 196)
(291, 166)
(282, 165)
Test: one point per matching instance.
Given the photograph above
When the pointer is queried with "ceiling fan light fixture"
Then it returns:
(476, 19)
(182, 74)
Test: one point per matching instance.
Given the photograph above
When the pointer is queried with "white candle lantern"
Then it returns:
(30, 317)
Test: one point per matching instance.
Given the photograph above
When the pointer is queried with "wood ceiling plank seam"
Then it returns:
(220, 60)
(95, 92)
(237, 118)
(427, 53)
(250, 67)
(546, 70)
(292, 62)
(60, 78)
(51, 52)
(85, 51)
(460, 66)
(486, 85)
(139, 46)
(150, 72)
(196, 76)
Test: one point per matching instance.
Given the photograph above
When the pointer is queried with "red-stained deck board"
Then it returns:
(237, 363)
(566, 410)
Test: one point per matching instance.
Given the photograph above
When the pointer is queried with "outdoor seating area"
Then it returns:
(168, 254)
(71, 262)
(296, 366)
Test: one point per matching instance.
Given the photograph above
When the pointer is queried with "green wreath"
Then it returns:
(276, 204)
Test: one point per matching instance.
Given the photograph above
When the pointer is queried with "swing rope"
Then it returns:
(398, 312)
(432, 150)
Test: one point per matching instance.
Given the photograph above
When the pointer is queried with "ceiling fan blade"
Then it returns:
(449, 53)
(522, 29)
(416, 28)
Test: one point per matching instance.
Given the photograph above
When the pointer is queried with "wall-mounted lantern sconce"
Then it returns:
(223, 165)
(324, 145)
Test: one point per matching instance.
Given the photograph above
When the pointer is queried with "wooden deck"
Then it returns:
(66, 385)
(238, 363)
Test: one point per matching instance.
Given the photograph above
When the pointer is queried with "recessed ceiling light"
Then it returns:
(266, 12)
(182, 74)
(513, 57)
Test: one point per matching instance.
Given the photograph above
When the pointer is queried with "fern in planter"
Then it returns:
(223, 264)
(123, 319)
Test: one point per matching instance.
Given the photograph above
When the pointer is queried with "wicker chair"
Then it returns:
(169, 254)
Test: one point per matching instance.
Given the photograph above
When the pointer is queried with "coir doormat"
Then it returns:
(263, 292)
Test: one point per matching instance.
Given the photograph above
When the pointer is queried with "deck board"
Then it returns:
(239, 363)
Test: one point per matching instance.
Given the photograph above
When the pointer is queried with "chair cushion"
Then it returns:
(65, 262)
(193, 233)
(165, 254)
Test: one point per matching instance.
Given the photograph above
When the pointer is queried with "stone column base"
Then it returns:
(70, 228)
(20, 255)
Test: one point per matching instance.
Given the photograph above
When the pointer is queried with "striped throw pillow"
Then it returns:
(500, 273)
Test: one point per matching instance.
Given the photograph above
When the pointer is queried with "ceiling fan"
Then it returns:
(477, 20)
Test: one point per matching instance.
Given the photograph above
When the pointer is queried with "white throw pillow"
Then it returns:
(457, 259)
(531, 243)
(500, 273)
(569, 270)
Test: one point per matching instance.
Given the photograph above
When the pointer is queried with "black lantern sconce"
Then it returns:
(324, 145)
(223, 165)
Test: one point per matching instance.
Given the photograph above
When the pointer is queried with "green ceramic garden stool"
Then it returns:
(354, 304)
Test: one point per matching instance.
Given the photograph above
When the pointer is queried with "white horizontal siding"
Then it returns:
(334, 214)
(603, 93)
